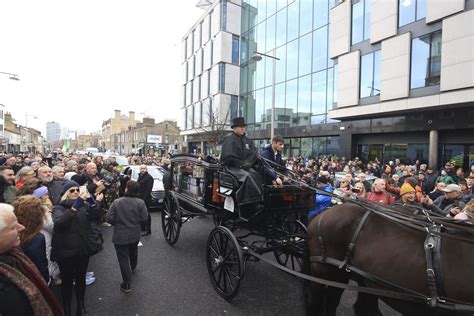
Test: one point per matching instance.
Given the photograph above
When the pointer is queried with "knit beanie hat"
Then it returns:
(69, 184)
(40, 192)
(406, 188)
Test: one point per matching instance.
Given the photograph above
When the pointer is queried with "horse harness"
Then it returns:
(432, 246)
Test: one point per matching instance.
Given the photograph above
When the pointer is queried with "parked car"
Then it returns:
(158, 191)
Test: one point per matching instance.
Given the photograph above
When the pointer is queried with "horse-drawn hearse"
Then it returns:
(416, 262)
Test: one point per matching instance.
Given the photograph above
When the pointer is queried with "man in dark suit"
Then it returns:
(272, 152)
(145, 181)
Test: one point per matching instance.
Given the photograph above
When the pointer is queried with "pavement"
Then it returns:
(174, 281)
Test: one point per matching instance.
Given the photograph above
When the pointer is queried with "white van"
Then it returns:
(92, 150)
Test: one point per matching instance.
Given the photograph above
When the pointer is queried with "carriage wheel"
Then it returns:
(171, 219)
(292, 256)
(225, 263)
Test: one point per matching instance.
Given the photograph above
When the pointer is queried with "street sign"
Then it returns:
(154, 139)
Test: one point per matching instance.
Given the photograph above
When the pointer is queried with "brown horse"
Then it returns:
(388, 250)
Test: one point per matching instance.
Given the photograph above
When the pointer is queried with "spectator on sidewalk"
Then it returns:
(378, 193)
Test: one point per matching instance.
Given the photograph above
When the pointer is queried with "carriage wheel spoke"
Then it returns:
(219, 277)
(229, 278)
(214, 251)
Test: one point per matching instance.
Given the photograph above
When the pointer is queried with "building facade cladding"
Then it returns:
(210, 66)
(385, 64)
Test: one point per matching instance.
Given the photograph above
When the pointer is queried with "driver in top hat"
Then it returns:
(239, 156)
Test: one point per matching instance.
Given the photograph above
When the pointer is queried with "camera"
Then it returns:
(355, 190)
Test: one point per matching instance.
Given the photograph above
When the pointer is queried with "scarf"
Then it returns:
(19, 270)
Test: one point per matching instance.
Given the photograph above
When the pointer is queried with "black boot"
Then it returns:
(67, 307)
(81, 309)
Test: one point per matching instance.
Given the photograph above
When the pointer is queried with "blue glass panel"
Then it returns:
(292, 60)
(319, 93)
(305, 55)
(304, 96)
(306, 19)
(221, 77)
(235, 49)
(262, 10)
(243, 79)
(270, 44)
(366, 75)
(250, 115)
(271, 7)
(357, 22)
(292, 99)
(318, 119)
(281, 27)
(335, 78)
(330, 88)
(281, 64)
(320, 49)
(367, 9)
(268, 105)
(280, 96)
(293, 20)
(420, 55)
(234, 101)
(244, 50)
(268, 69)
(406, 12)
(376, 72)
(320, 13)
(261, 37)
(420, 9)
(259, 105)
(260, 74)
(281, 4)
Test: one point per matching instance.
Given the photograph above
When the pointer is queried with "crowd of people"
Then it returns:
(447, 192)
(51, 212)
(52, 209)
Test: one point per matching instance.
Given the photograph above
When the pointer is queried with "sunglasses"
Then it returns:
(73, 190)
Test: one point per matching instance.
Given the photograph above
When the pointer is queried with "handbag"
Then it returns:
(93, 239)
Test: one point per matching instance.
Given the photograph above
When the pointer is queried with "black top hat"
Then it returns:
(238, 121)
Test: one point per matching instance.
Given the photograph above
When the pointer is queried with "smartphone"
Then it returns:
(82, 189)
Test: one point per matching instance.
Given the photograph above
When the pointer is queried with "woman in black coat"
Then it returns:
(73, 223)
(127, 214)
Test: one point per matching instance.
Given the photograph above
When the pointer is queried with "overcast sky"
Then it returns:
(80, 60)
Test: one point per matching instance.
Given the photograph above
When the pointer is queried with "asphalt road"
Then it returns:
(174, 281)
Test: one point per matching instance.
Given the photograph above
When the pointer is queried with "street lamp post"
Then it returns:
(258, 57)
(12, 76)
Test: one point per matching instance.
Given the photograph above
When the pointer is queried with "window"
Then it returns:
(185, 48)
(320, 48)
(210, 24)
(370, 74)
(200, 34)
(223, 15)
(192, 116)
(209, 83)
(221, 77)
(360, 21)
(425, 60)
(199, 87)
(186, 118)
(306, 16)
(235, 49)
(410, 11)
(234, 103)
(212, 53)
(202, 60)
(320, 13)
(192, 42)
(191, 86)
(184, 94)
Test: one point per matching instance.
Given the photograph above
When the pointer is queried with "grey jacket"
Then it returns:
(127, 214)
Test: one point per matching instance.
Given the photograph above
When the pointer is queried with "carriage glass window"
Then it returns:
(188, 179)
(426, 60)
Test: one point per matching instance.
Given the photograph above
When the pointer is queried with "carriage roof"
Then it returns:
(196, 159)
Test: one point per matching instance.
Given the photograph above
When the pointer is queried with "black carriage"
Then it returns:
(201, 187)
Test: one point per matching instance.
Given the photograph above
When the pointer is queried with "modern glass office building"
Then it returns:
(295, 32)
(386, 79)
